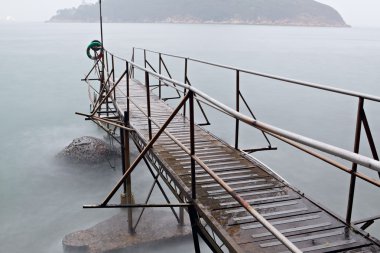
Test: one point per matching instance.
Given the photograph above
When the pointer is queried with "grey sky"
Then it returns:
(355, 12)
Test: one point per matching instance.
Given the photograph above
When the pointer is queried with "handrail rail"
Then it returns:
(279, 78)
(327, 148)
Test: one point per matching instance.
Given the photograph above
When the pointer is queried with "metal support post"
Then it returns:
(133, 60)
(127, 185)
(192, 147)
(123, 197)
(237, 108)
(160, 72)
(194, 227)
(144, 58)
(113, 75)
(128, 85)
(355, 165)
(181, 216)
(106, 67)
(148, 104)
(186, 82)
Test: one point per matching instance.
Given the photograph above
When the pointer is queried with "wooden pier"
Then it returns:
(235, 203)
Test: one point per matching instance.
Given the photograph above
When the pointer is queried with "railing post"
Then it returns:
(192, 211)
(148, 103)
(126, 196)
(185, 82)
(192, 145)
(355, 165)
(127, 84)
(113, 75)
(106, 64)
(133, 60)
(160, 72)
(237, 109)
(144, 58)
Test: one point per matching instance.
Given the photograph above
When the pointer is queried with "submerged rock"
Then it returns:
(111, 235)
(88, 149)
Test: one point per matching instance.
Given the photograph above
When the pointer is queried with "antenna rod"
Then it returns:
(101, 38)
(101, 21)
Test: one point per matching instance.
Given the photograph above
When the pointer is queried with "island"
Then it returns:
(255, 12)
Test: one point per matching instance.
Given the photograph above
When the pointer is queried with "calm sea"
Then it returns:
(41, 66)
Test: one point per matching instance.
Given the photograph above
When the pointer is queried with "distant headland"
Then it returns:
(255, 12)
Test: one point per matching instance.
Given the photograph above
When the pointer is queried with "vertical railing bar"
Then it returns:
(184, 89)
(237, 109)
(192, 211)
(113, 75)
(99, 72)
(192, 145)
(148, 104)
(127, 85)
(194, 227)
(355, 165)
(159, 72)
(129, 181)
(127, 185)
(144, 58)
(107, 64)
(123, 156)
(133, 60)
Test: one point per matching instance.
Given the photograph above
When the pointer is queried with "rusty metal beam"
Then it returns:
(142, 154)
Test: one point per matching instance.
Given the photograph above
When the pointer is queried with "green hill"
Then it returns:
(260, 12)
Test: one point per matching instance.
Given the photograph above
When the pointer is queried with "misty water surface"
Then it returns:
(41, 68)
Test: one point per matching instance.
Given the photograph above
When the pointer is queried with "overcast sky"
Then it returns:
(354, 12)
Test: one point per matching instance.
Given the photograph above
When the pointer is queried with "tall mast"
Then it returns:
(101, 20)
(101, 38)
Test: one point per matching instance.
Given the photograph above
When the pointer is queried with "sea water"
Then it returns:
(41, 66)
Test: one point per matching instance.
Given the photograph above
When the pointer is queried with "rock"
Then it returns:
(88, 150)
(112, 234)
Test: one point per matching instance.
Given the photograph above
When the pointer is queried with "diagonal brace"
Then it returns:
(143, 153)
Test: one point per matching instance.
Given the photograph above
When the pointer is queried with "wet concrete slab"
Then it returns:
(112, 234)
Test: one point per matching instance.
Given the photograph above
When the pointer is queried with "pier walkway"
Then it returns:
(235, 203)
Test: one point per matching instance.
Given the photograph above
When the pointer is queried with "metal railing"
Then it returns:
(361, 119)
(240, 99)
(193, 95)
